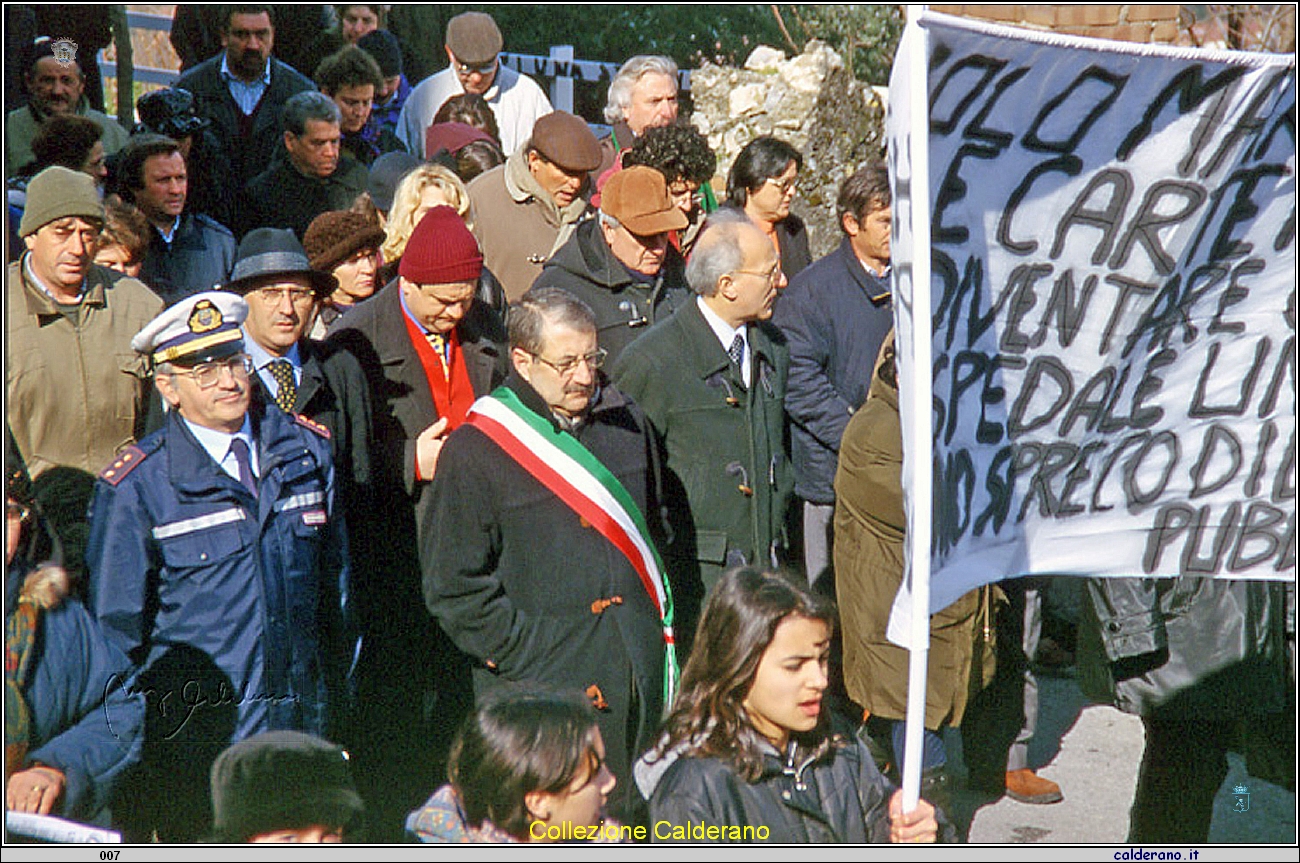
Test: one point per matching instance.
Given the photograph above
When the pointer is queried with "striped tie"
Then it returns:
(287, 389)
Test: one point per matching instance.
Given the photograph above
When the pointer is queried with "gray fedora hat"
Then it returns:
(268, 252)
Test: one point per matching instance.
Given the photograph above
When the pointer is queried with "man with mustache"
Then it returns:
(539, 543)
(54, 86)
(188, 252)
(528, 208)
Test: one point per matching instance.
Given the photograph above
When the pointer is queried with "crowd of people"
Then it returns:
(394, 458)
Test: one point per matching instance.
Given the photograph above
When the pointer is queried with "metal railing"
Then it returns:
(559, 65)
(143, 74)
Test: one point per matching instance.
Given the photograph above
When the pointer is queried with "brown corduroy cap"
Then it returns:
(638, 197)
(337, 235)
(474, 38)
(567, 141)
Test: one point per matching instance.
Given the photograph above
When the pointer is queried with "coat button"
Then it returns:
(583, 523)
(203, 555)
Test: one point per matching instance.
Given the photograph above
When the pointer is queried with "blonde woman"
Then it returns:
(423, 188)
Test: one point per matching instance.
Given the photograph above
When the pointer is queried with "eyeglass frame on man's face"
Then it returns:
(594, 360)
(482, 69)
(208, 375)
(788, 187)
(274, 295)
(772, 276)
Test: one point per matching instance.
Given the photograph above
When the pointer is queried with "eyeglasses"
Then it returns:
(208, 375)
(680, 194)
(772, 275)
(594, 360)
(787, 187)
(481, 68)
(276, 296)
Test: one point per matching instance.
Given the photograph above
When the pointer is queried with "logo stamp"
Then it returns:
(65, 50)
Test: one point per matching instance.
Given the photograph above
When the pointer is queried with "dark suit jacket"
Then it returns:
(213, 100)
(375, 333)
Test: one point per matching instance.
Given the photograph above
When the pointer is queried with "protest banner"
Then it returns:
(1108, 335)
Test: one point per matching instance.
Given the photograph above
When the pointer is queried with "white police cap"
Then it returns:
(196, 329)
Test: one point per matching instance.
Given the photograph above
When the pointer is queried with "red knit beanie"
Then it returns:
(441, 251)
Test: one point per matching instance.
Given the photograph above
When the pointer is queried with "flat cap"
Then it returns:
(567, 141)
(638, 197)
(474, 38)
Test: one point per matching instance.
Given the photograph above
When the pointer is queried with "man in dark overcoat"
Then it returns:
(538, 549)
(428, 351)
(712, 379)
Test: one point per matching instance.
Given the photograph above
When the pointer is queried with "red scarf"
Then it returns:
(452, 398)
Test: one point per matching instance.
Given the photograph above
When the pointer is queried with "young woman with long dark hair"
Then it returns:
(750, 751)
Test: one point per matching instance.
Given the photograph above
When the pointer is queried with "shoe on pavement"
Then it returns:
(1028, 787)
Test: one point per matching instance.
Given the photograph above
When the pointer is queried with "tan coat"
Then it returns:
(517, 223)
(76, 393)
(869, 531)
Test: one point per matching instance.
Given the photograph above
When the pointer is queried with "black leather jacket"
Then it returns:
(1189, 647)
(830, 792)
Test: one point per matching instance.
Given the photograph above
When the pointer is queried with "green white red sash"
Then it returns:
(562, 464)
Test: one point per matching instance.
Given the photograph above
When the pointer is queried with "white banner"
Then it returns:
(1112, 308)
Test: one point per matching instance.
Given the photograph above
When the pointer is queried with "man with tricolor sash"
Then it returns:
(539, 547)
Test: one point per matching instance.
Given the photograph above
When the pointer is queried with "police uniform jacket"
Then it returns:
(185, 561)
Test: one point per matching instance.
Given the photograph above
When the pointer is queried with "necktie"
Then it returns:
(737, 351)
(239, 448)
(439, 343)
(287, 387)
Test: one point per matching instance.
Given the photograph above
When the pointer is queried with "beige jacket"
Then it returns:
(76, 394)
(518, 224)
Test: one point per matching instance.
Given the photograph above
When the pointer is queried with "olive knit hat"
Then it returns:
(57, 193)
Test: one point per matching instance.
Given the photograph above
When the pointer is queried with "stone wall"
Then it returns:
(1128, 22)
(835, 121)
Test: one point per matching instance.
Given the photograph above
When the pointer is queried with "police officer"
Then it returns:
(218, 565)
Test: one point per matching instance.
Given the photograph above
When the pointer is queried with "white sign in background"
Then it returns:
(1113, 308)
